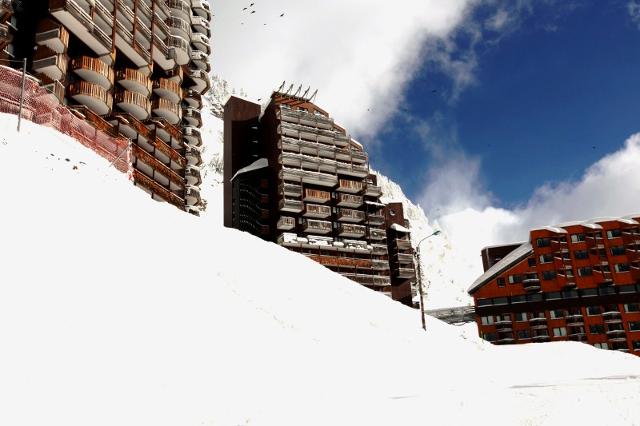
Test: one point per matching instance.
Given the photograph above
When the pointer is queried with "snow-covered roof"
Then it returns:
(586, 224)
(552, 229)
(373, 203)
(508, 261)
(519, 243)
(628, 221)
(399, 228)
(256, 165)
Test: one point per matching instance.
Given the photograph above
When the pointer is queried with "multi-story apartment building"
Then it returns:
(575, 281)
(134, 67)
(295, 177)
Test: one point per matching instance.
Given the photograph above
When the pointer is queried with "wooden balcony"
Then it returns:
(50, 63)
(94, 71)
(168, 110)
(348, 200)
(373, 191)
(134, 103)
(317, 226)
(350, 230)
(350, 186)
(317, 211)
(349, 215)
(293, 206)
(286, 223)
(168, 89)
(134, 81)
(53, 35)
(316, 195)
(95, 97)
(154, 187)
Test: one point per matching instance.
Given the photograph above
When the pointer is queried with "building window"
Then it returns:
(601, 345)
(518, 299)
(554, 295)
(635, 345)
(521, 316)
(632, 307)
(585, 271)
(557, 313)
(589, 292)
(548, 275)
(577, 238)
(559, 332)
(535, 297)
(596, 329)
(569, 294)
(503, 317)
(594, 310)
(524, 334)
(500, 301)
(531, 261)
(581, 254)
(621, 267)
(501, 282)
(625, 289)
(634, 326)
(487, 320)
(515, 279)
(543, 242)
(617, 251)
(489, 337)
(546, 258)
(614, 233)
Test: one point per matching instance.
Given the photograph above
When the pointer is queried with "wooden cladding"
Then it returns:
(317, 194)
(350, 185)
(95, 65)
(345, 262)
(135, 76)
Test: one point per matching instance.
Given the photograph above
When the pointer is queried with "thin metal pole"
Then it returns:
(424, 325)
(24, 77)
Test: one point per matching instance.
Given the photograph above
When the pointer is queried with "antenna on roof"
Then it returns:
(281, 86)
(289, 89)
(304, 95)
(313, 96)
(298, 91)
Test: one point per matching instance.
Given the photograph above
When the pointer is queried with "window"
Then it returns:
(554, 295)
(613, 233)
(500, 301)
(531, 261)
(621, 267)
(605, 290)
(515, 279)
(557, 313)
(559, 332)
(543, 332)
(577, 238)
(594, 310)
(536, 297)
(490, 337)
(581, 254)
(484, 302)
(589, 292)
(636, 345)
(538, 315)
(585, 271)
(521, 316)
(632, 307)
(518, 299)
(617, 251)
(501, 283)
(524, 334)
(487, 320)
(596, 329)
(503, 317)
(569, 294)
(546, 258)
(601, 345)
(548, 275)
(543, 242)
(624, 289)
(634, 325)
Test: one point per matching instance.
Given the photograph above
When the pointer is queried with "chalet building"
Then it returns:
(135, 67)
(295, 177)
(575, 281)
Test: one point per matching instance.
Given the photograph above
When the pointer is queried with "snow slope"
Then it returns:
(115, 309)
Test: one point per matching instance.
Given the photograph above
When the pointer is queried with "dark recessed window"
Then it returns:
(548, 275)
(531, 261)
(581, 254)
(524, 334)
(543, 242)
(554, 295)
(596, 329)
(614, 233)
(518, 299)
(501, 282)
(634, 326)
(617, 251)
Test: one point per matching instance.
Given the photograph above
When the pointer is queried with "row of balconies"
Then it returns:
(371, 280)
(319, 149)
(304, 118)
(312, 135)
(323, 164)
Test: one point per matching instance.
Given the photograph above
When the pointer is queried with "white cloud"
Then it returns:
(610, 187)
(633, 7)
(498, 21)
(359, 54)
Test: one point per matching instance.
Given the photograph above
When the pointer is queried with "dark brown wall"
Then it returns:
(492, 255)
(239, 116)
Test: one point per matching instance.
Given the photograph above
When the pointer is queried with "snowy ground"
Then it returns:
(116, 310)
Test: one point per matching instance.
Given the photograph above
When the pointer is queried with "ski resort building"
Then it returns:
(575, 281)
(295, 177)
(133, 68)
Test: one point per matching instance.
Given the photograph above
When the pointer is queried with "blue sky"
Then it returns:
(553, 91)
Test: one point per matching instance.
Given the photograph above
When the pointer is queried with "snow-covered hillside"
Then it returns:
(115, 309)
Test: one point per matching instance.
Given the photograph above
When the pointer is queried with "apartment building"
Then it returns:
(574, 281)
(137, 68)
(295, 177)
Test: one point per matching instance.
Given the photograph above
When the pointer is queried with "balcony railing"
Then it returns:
(93, 96)
(167, 89)
(286, 223)
(168, 110)
(349, 200)
(317, 226)
(134, 103)
(405, 272)
(346, 230)
(375, 218)
(373, 191)
(350, 186)
(134, 81)
(377, 234)
(315, 210)
(293, 206)
(85, 19)
(380, 249)
(316, 195)
(94, 71)
(349, 215)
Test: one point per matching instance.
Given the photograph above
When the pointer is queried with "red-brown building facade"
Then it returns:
(575, 281)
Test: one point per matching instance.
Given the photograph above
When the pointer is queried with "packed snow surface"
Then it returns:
(117, 310)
